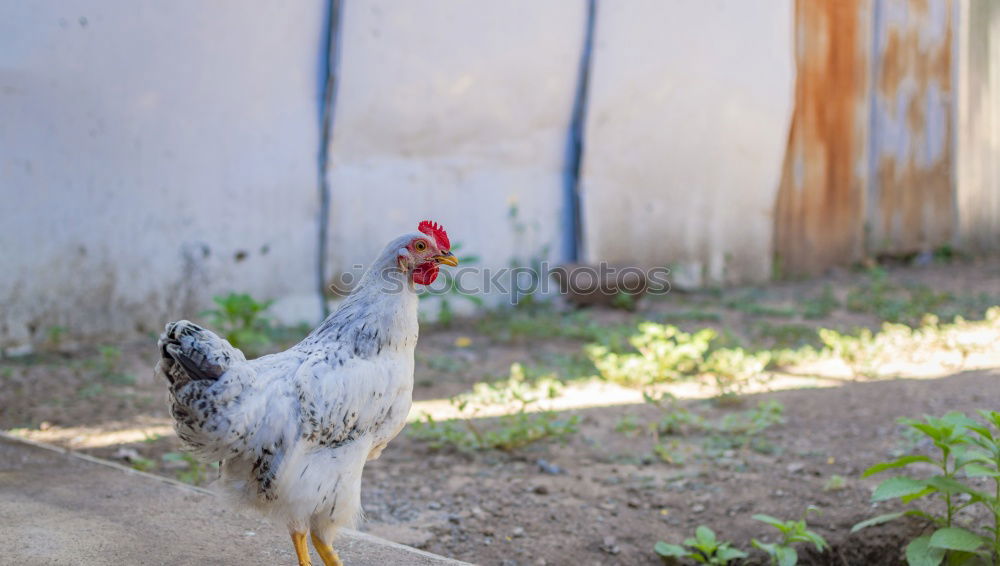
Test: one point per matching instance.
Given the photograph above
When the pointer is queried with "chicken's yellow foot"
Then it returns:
(301, 549)
(326, 552)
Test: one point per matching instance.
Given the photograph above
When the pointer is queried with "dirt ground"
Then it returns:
(602, 497)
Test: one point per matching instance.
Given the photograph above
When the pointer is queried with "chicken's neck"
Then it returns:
(380, 315)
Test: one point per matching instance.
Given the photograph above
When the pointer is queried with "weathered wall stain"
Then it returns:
(820, 203)
(911, 196)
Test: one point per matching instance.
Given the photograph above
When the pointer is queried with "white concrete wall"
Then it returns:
(143, 145)
(687, 123)
(451, 110)
(978, 136)
(146, 145)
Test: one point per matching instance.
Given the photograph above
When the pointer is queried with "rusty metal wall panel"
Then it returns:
(911, 195)
(978, 139)
(819, 212)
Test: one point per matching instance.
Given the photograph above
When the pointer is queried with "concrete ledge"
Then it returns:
(60, 507)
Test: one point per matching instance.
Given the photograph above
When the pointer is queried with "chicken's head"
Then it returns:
(422, 254)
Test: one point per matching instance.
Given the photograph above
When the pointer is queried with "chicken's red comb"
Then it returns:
(434, 230)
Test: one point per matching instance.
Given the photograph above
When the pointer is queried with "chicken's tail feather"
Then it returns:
(188, 352)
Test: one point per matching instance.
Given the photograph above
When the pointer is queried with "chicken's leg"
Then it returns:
(302, 549)
(326, 552)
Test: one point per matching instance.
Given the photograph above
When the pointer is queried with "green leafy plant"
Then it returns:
(783, 553)
(733, 370)
(662, 353)
(703, 548)
(861, 353)
(967, 451)
(519, 425)
(242, 320)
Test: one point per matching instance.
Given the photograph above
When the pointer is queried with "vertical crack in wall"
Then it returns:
(573, 226)
(331, 56)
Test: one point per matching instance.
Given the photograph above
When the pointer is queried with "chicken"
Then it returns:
(293, 430)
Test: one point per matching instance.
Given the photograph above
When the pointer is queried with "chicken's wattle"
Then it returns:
(425, 273)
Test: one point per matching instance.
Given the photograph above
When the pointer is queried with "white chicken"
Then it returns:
(293, 430)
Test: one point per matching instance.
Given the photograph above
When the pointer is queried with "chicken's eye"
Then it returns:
(420, 245)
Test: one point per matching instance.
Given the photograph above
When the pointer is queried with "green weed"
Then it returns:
(894, 303)
(748, 304)
(520, 426)
(703, 548)
(967, 452)
(835, 483)
(821, 306)
(732, 432)
(110, 367)
(663, 353)
(693, 315)
(242, 321)
(446, 363)
(785, 335)
(54, 337)
(193, 471)
(142, 464)
(783, 553)
(628, 424)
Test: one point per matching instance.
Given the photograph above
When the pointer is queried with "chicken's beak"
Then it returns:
(447, 258)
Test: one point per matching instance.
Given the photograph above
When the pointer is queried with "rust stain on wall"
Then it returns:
(819, 213)
(911, 201)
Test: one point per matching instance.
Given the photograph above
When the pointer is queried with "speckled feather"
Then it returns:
(293, 430)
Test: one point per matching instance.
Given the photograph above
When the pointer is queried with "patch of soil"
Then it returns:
(608, 504)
